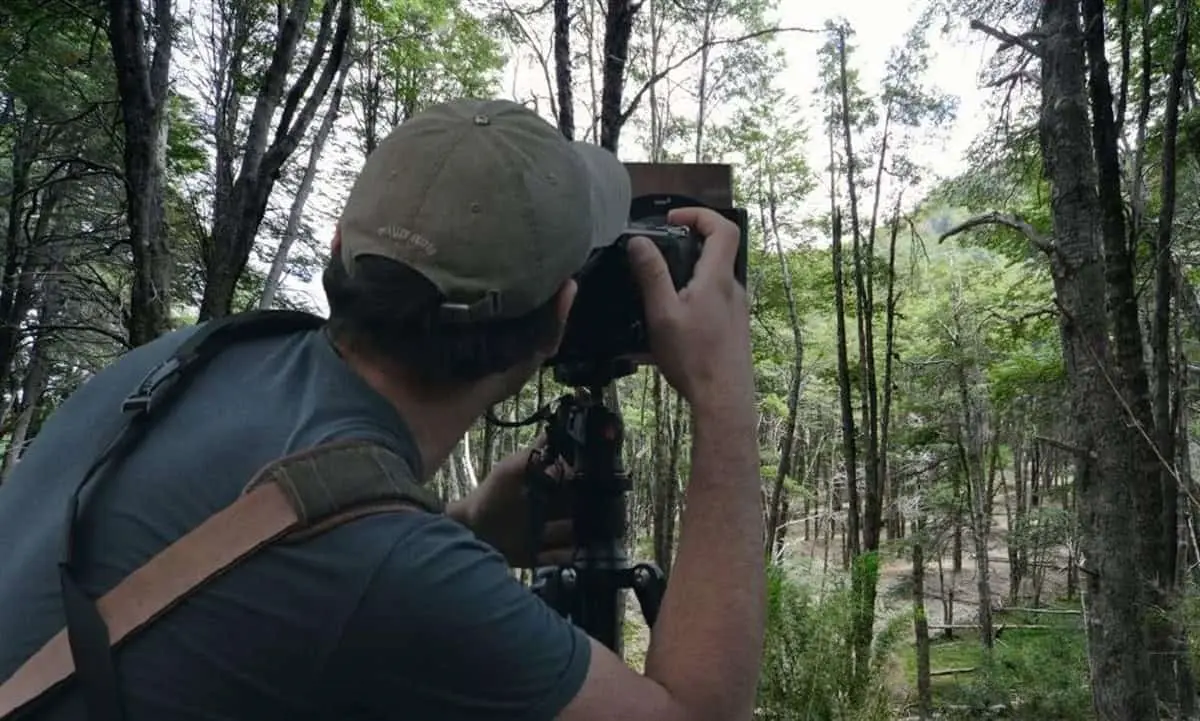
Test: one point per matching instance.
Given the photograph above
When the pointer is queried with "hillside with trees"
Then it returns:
(974, 391)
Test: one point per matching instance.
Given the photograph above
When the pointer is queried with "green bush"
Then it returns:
(1030, 676)
(808, 663)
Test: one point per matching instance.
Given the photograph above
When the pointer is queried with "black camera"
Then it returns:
(605, 337)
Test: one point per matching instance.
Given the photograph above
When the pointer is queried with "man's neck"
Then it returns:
(437, 421)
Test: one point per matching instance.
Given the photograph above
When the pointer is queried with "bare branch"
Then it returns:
(637, 97)
(115, 337)
(1007, 39)
(1063, 446)
(1026, 75)
(1007, 220)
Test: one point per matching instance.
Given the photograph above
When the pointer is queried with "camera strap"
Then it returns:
(293, 498)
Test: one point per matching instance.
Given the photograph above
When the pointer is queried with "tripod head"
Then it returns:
(585, 435)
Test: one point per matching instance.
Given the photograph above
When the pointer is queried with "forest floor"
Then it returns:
(817, 562)
(895, 581)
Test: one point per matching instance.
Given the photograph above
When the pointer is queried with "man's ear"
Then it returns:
(336, 247)
(562, 304)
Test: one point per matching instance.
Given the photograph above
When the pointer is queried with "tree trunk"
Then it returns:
(143, 87)
(921, 624)
(1122, 685)
(300, 202)
(239, 211)
(618, 28)
(776, 520)
(30, 216)
(37, 374)
(562, 67)
(663, 481)
(849, 442)
(1168, 637)
(1014, 506)
(895, 521)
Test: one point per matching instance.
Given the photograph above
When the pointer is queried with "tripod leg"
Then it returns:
(649, 585)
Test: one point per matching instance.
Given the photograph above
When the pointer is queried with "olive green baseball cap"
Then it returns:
(488, 202)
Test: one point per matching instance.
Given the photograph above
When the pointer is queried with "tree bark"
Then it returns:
(849, 442)
(921, 624)
(37, 374)
(562, 68)
(143, 86)
(1122, 685)
(618, 28)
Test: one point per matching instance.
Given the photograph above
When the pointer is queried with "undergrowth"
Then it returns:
(808, 664)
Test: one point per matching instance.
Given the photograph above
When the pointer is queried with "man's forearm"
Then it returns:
(706, 647)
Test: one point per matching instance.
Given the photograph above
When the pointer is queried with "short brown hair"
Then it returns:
(391, 311)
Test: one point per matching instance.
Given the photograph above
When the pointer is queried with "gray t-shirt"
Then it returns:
(396, 616)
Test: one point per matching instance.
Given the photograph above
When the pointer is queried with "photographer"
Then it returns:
(449, 284)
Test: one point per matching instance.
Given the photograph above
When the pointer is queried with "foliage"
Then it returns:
(807, 668)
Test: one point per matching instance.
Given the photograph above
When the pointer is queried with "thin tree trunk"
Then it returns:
(921, 624)
(784, 468)
(238, 212)
(889, 489)
(848, 431)
(562, 67)
(300, 202)
(37, 376)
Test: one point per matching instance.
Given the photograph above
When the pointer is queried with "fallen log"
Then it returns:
(952, 671)
(1047, 611)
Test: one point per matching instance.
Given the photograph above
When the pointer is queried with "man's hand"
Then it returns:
(706, 647)
(699, 336)
(498, 512)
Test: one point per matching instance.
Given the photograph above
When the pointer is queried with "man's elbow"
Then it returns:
(614, 692)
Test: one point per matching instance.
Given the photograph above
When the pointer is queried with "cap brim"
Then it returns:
(611, 192)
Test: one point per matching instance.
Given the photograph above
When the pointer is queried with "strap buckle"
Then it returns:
(161, 378)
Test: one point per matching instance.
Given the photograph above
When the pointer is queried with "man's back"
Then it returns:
(287, 634)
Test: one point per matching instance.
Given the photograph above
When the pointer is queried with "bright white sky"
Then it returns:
(879, 26)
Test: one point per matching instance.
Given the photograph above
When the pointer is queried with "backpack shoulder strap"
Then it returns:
(343, 480)
(85, 628)
(291, 499)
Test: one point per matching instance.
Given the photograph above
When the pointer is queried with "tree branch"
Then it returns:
(1041, 242)
(1007, 39)
(117, 338)
(1064, 446)
(637, 97)
(1016, 76)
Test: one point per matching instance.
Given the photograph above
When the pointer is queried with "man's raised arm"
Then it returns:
(706, 648)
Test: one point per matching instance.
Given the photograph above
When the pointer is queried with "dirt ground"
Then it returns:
(894, 594)
(896, 574)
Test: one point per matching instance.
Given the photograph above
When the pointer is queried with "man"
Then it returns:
(449, 284)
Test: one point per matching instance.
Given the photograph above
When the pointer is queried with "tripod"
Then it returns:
(588, 436)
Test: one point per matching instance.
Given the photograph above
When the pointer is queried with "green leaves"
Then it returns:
(414, 53)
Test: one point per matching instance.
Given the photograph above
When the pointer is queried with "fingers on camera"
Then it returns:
(652, 273)
(560, 470)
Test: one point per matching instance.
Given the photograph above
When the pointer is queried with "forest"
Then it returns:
(974, 390)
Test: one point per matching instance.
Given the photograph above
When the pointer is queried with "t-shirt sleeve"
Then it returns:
(445, 632)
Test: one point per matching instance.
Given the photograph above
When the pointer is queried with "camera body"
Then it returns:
(605, 335)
